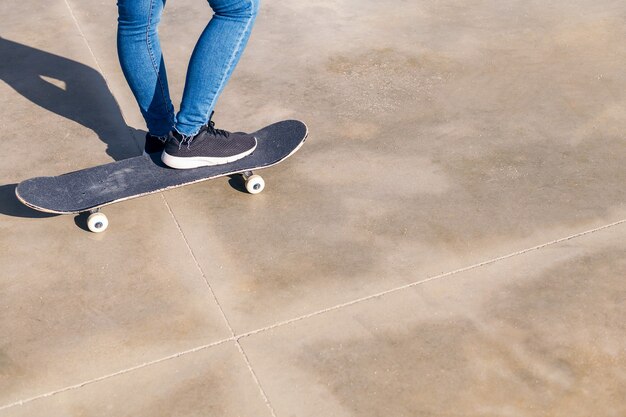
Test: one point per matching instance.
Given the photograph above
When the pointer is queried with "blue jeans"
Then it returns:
(213, 60)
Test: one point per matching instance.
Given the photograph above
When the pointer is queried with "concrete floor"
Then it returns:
(451, 241)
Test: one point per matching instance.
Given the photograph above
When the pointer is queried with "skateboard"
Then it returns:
(88, 190)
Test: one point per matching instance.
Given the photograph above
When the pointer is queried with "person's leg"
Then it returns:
(213, 60)
(140, 56)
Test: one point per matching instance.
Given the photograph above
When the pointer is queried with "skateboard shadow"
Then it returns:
(11, 206)
(237, 183)
(69, 89)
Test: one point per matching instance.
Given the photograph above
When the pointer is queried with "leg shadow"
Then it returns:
(69, 89)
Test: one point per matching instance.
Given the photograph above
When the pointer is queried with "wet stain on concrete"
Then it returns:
(550, 344)
(204, 390)
(208, 382)
(440, 134)
(121, 301)
(8, 367)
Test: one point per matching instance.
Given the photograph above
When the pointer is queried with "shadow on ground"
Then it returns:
(67, 88)
(71, 90)
(237, 183)
(11, 206)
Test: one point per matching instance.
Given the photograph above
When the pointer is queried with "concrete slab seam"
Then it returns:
(254, 376)
(198, 267)
(236, 338)
(415, 283)
(121, 372)
(219, 306)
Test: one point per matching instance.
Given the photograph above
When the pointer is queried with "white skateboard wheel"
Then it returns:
(97, 222)
(255, 184)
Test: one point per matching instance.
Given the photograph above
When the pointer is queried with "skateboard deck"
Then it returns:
(90, 189)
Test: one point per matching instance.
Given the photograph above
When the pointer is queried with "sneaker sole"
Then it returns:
(189, 162)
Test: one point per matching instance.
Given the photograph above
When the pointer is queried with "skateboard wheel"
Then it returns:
(255, 184)
(97, 222)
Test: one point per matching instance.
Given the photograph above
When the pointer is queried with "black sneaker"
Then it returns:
(154, 144)
(210, 146)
